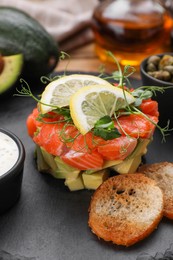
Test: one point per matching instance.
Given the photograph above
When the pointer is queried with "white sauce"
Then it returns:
(9, 153)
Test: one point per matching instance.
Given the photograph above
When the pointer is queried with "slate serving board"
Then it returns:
(49, 222)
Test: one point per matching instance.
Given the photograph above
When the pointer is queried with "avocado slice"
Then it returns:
(10, 71)
(141, 148)
(64, 170)
(94, 180)
(75, 184)
(49, 163)
(129, 165)
(42, 166)
(49, 160)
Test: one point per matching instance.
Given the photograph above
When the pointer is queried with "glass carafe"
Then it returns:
(131, 29)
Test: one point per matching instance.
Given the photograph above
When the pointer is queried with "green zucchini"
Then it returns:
(20, 33)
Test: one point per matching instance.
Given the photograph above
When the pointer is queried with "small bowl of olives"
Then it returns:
(157, 70)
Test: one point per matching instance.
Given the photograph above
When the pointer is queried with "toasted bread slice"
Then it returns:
(162, 173)
(126, 208)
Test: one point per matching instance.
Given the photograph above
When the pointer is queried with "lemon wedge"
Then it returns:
(58, 92)
(90, 103)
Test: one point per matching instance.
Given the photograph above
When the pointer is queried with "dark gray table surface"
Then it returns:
(49, 222)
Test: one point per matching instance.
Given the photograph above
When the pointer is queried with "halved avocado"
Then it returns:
(11, 69)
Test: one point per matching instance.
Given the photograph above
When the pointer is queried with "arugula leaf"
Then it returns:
(104, 128)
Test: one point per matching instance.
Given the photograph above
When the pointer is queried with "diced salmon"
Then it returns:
(69, 134)
(31, 122)
(87, 143)
(118, 148)
(150, 107)
(49, 138)
(136, 125)
(83, 160)
(88, 151)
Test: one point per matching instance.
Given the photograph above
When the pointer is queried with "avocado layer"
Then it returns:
(94, 180)
(75, 179)
(130, 164)
(12, 68)
(75, 183)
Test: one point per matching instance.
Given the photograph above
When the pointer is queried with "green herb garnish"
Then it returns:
(104, 128)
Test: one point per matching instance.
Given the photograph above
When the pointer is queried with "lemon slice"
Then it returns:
(90, 103)
(58, 92)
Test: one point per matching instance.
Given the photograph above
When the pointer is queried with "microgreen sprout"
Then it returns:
(46, 80)
(101, 70)
(128, 71)
(154, 89)
(140, 94)
(116, 118)
(63, 56)
(65, 136)
(120, 75)
(163, 130)
(104, 128)
(117, 74)
(65, 112)
(25, 91)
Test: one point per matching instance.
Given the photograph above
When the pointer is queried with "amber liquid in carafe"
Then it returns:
(131, 30)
